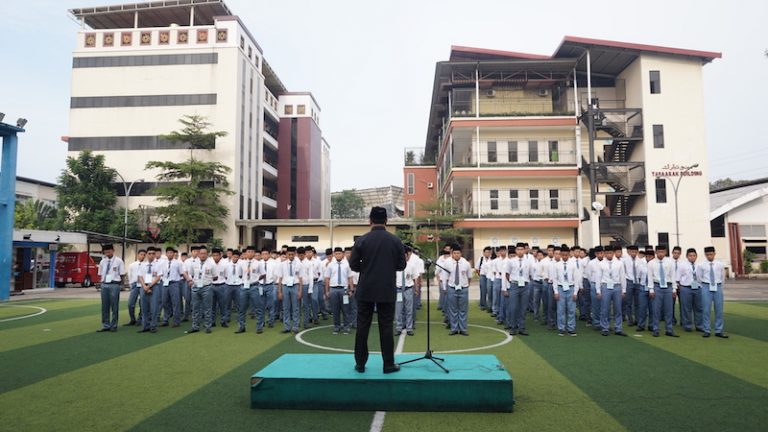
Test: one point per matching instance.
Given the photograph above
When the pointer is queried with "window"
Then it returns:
(301, 109)
(533, 151)
(304, 238)
(655, 82)
(554, 199)
(752, 230)
(661, 190)
(514, 202)
(462, 102)
(288, 109)
(494, 200)
(411, 183)
(512, 149)
(759, 251)
(553, 152)
(534, 194)
(411, 208)
(492, 156)
(658, 136)
(664, 239)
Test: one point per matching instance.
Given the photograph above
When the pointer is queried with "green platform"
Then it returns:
(329, 382)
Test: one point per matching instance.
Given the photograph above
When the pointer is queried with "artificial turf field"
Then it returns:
(56, 373)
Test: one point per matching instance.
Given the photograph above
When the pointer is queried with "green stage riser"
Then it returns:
(476, 383)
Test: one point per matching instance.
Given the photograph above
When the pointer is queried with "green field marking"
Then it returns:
(747, 310)
(545, 400)
(12, 311)
(479, 337)
(123, 391)
(323, 336)
(61, 356)
(648, 388)
(224, 404)
(741, 357)
(92, 309)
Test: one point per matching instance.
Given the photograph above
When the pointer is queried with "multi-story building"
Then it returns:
(585, 146)
(138, 68)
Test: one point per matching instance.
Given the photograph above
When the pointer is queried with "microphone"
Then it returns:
(427, 262)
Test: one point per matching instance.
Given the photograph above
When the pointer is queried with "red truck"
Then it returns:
(77, 268)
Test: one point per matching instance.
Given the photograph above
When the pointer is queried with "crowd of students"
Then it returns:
(608, 286)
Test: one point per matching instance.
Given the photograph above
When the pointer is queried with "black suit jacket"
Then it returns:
(377, 256)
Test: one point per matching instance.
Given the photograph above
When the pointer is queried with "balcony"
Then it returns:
(414, 156)
(519, 203)
(511, 102)
(519, 152)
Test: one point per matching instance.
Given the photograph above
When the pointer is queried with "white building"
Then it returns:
(138, 68)
(27, 188)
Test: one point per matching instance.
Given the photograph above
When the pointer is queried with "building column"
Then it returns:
(7, 208)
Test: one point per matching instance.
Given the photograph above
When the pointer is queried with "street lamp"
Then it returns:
(675, 187)
(127, 189)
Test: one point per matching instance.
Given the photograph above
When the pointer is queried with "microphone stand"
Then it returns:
(428, 354)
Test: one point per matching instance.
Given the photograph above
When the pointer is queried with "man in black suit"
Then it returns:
(377, 255)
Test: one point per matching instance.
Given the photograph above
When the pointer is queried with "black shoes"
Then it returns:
(621, 333)
(240, 330)
(656, 334)
(390, 369)
(208, 331)
(132, 323)
(671, 334)
(464, 333)
(604, 333)
(721, 335)
(705, 335)
(359, 369)
(453, 333)
(102, 330)
(409, 332)
(192, 331)
(143, 331)
(522, 333)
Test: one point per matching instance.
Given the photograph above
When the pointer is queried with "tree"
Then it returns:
(87, 195)
(34, 214)
(435, 227)
(347, 204)
(410, 157)
(192, 189)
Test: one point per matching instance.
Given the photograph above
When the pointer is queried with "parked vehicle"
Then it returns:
(77, 268)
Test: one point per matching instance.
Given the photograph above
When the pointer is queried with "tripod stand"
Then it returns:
(428, 353)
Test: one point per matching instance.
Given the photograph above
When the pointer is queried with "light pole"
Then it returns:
(675, 187)
(127, 189)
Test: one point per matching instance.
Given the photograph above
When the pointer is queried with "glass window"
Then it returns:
(289, 110)
(512, 150)
(661, 190)
(462, 102)
(554, 155)
(301, 109)
(533, 151)
(663, 239)
(534, 195)
(411, 183)
(411, 208)
(554, 199)
(492, 156)
(658, 136)
(494, 199)
(655, 77)
(514, 201)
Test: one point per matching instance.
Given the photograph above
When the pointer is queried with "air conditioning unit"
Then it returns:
(543, 92)
(490, 93)
(430, 185)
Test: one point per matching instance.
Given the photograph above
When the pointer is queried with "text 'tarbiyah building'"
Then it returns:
(600, 142)
(138, 68)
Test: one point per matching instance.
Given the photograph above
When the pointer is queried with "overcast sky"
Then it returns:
(370, 65)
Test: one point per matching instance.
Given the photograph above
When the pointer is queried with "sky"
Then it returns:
(370, 65)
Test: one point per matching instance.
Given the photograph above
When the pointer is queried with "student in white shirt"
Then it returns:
(442, 282)
(690, 293)
(186, 291)
(289, 291)
(711, 274)
(307, 287)
(677, 260)
(459, 274)
(248, 295)
(133, 282)
(220, 301)
(268, 298)
(337, 282)
(233, 277)
(111, 270)
(518, 272)
(420, 270)
(404, 282)
(541, 288)
(201, 273)
(630, 302)
(318, 288)
(172, 280)
(500, 294)
(612, 286)
(481, 269)
(567, 283)
(594, 264)
(661, 280)
(644, 302)
(324, 307)
(149, 279)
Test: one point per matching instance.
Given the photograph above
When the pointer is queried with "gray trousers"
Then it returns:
(291, 307)
(150, 306)
(662, 304)
(338, 308)
(186, 297)
(458, 307)
(172, 301)
(248, 297)
(518, 303)
(202, 299)
(404, 310)
(110, 302)
(134, 298)
(220, 300)
(266, 304)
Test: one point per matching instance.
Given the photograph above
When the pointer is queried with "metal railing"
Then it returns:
(518, 203)
(513, 108)
(507, 154)
(625, 229)
(626, 177)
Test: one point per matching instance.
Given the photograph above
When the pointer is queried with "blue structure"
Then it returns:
(7, 204)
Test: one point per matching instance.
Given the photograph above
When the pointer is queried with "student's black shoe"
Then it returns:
(225, 325)
(722, 335)
(409, 332)
(464, 333)
(571, 333)
(143, 331)
(102, 330)
(453, 333)
(640, 329)
(359, 369)
(621, 333)
(208, 331)
(522, 333)
(604, 333)
(705, 335)
(285, 331)
(259, 331)
(165, 324)
(129, 324)
(240, 330)
(671, 334)
(655, 334)
(391, 369)
(153, 331)
(113, 330)
(192, 331)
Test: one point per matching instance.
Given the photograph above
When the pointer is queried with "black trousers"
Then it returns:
(386, 314)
